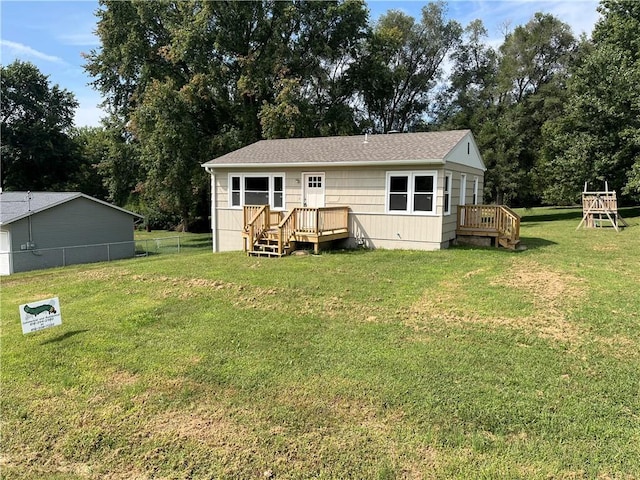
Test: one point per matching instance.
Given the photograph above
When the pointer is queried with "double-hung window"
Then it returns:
(411, 192)
(475, 191)
(256, 189)
(448, 177)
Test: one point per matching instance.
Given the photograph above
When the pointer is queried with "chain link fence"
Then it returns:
(38, 258)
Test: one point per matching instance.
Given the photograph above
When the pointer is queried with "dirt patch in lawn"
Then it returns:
(551, 293)
(246, 296)
(214, 427)
(547, 288)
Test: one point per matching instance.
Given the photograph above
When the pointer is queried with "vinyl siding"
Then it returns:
(363, 190)
(78, 222)
(449, 222)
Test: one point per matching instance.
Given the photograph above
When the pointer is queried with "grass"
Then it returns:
(463, 363)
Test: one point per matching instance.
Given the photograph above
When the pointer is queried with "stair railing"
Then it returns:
(258, 223)
(509, 223)
(286, 229)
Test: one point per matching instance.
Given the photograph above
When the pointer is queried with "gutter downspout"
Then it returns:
(214, 212)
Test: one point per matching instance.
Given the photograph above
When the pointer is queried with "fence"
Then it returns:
(24, 260)
(152, 246)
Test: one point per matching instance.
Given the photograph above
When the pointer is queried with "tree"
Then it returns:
(598, 138)
(37, 152)
(226, 70)
(173, 181)
(92, 149)
(472, 89)
(534, 54)
(505, 97)
(402, 64)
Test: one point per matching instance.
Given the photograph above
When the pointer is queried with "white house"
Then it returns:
(392, 191)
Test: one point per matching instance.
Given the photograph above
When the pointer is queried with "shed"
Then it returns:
(396, 191)
(50, 229)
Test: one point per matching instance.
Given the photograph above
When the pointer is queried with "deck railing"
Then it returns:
(315, 222)
(490, 218)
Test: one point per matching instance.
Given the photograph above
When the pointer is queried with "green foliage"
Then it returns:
(598, 137)
(37, 153)
(189, 81)
(506, 97)
(184, 82)
(401, 65)
(282, 118)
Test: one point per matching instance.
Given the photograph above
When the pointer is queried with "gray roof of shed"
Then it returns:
(16, 205)
(386, 148)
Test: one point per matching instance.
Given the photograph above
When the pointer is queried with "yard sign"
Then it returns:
(39, 315)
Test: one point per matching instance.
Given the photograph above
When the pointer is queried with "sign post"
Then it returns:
(40, 314)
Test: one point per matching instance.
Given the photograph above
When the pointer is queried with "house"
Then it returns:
(395, 191)
(49, 229)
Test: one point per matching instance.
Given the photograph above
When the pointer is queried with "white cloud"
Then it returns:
(16, 49)
(88, 114)
(80, 39)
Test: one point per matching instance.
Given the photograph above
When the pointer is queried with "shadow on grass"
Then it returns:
(64, 336)
(533, 243)
(557, 214)
(629, 212)
(529, 243)
(572, 213)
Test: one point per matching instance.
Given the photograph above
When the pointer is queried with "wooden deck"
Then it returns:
(268, 233)
(495, 221)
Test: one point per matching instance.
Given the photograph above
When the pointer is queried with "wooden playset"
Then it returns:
(600, 208)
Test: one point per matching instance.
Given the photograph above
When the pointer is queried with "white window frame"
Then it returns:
(463, 189)
(270, 176)
(411, 175)
(475, 190)
(446, 192)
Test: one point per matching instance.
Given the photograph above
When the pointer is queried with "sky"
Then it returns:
(53, 35)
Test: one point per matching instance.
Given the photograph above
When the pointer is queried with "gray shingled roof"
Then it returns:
(397, 147)
(16, 205)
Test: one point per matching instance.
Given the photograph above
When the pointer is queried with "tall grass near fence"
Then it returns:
(463, 363)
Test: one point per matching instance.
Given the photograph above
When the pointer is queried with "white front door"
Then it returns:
(313, 190)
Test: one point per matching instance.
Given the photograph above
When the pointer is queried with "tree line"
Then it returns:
(184, 82)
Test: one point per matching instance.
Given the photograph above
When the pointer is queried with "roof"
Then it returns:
(17, 205)
(385, 149)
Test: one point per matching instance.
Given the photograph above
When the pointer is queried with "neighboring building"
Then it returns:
(50, 229)
(402, 190)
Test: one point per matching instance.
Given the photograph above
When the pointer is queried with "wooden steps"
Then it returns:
(267, 245)
(510, 244)
(261, 237)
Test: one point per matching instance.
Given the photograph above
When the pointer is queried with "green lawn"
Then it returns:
(462, 363)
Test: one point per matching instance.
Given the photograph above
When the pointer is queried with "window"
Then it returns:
(256, 189)
(278, 192)
(411, 192)
(475, 190)
(314, 181)
(463, 189)
(447, 193)
(235, 191)
(398, 192)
